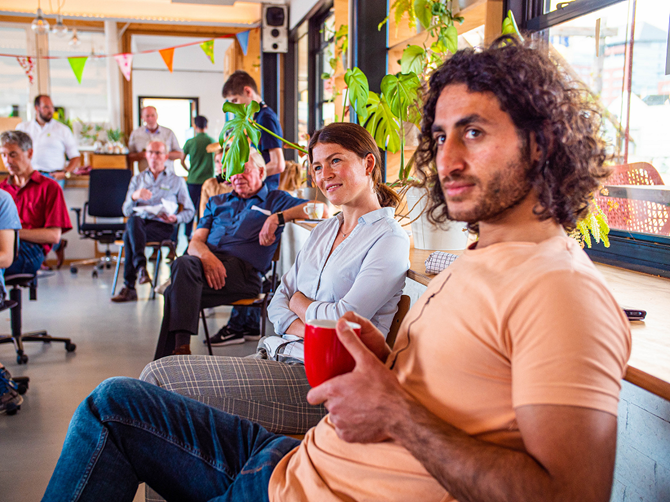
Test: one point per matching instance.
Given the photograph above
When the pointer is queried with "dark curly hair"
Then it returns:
(540, 98)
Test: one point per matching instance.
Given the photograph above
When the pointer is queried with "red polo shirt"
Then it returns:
(40, 203)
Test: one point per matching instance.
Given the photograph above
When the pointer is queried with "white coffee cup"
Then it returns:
(313, 210)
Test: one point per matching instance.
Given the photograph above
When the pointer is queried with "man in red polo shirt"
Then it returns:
(40, 202)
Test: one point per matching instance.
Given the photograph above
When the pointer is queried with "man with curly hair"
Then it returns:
(502, 386)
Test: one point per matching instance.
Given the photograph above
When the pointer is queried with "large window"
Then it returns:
(620, 51)
(303, 84)
(13, 80)
(325, 88)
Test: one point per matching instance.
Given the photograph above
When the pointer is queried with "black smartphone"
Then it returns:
(635, 314)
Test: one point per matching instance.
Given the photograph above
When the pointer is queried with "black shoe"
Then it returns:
(126, 295)
(143, 276)
(10, 400)
(226, 336)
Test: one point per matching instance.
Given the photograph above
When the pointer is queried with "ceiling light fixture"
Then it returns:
(59, 28)
(74, 42)
(39, 24)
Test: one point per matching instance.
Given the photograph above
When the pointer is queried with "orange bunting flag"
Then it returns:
(167, 55)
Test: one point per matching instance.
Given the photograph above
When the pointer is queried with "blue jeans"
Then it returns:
(245, 319)
(29, 259)
(128, 431)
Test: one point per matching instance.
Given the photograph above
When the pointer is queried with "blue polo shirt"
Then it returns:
(234, 224)
(268, 119)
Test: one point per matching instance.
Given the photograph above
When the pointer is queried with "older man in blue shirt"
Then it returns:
(231, 247)
(146, 192)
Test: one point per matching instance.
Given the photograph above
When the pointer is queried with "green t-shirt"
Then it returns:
(202, 163)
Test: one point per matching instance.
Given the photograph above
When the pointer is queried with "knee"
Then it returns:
(133, 223)
(152, 372)
(186, 268)
(108, 397)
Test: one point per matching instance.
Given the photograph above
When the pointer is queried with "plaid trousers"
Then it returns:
(271, 393)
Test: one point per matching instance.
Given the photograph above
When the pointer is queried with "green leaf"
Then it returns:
(382, 124)
(359, 91)
(236, 134)
(381, 25)
(451, 39)
(509, 26)
(413, 59)
(401, 92)
(423, 12)
(400, 7)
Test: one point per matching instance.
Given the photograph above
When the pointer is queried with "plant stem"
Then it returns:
(344, 103)
(292, 145)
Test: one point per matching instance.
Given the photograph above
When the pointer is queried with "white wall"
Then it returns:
(193, 76)
(299, 9)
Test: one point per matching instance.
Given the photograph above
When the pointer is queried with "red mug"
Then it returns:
(325, 356)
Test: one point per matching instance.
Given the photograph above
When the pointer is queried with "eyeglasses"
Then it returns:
(155, 152)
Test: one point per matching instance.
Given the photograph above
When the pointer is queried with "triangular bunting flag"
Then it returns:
(28, 66)
(77, 65)
(243, 39)
(208, 48)
(167, 55)
(125, 62)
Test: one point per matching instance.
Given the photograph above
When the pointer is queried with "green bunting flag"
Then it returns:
(208, 48)
(77, 65)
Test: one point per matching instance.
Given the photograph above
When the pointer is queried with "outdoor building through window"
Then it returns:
(620, 52)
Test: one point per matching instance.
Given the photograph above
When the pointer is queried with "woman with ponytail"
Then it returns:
(356, 260)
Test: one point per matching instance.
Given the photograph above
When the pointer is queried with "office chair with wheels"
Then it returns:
(18, 281)
(106, 192)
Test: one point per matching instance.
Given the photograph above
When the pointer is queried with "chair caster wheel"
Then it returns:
(22, 359)
(21, 388)
(108, 266)
(74, 270)
(94, 274)
(71, 347)
(12, 409)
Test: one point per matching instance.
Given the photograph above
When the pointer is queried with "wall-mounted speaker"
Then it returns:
(275, 28)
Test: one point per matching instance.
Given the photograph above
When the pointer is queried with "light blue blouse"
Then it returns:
(366, 272)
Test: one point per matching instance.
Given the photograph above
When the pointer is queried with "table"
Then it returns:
(659, 194)
(649, 365)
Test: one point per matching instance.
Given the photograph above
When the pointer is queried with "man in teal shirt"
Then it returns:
(202, 165)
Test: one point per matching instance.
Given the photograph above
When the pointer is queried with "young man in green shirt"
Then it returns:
(202, 164)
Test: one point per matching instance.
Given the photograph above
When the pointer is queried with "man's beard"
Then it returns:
(505, 190)
(46, 118)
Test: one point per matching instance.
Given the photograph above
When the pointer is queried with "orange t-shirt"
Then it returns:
(508, 325)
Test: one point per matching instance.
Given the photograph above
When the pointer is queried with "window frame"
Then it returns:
(630, 250)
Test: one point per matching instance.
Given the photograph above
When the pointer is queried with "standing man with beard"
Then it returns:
(501, 385)
(52, 142)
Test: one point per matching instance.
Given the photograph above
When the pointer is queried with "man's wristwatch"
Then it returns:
(68, 175)
(280, 217)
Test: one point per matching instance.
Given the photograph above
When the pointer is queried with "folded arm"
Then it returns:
(381, 276)
(49, 235)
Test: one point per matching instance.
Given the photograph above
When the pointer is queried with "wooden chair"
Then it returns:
(261, 301)
(157, 247)
(403, 307)
(635, 215)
